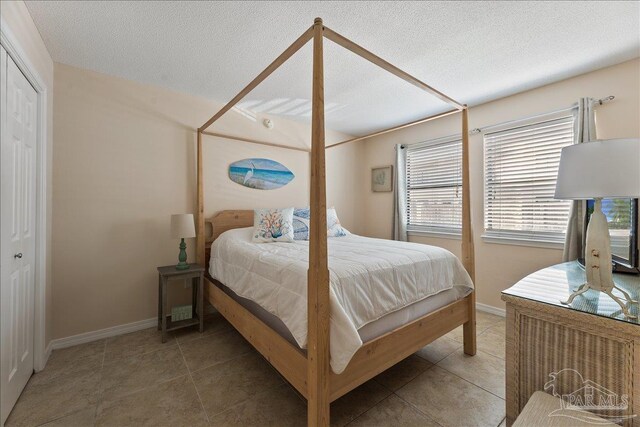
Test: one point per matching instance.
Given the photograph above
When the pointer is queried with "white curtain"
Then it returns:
(400, 195)
(584, 131)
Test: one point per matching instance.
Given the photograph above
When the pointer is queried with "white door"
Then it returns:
(17, 231)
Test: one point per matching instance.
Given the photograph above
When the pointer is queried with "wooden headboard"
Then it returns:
(227, 220)
(221, 222)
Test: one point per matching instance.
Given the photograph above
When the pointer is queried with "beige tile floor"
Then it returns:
(216, 378)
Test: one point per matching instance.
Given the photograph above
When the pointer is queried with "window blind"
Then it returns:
(434, 186)
(521, 168)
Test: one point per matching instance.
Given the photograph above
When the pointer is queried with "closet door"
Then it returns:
(17, 231)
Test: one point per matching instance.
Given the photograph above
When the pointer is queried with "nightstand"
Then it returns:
(585, 352)
(196, 274)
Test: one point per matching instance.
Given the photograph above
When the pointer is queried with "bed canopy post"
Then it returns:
(318, 373)
(469, 328)
(467, 236)
(200, 240)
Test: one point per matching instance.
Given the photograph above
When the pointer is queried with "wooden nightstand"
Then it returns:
(587, 348)
(196, 274)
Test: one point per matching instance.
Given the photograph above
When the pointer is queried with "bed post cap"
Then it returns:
(317, 21)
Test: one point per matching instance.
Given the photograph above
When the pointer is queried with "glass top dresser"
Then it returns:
(554, 284)
(572, 350)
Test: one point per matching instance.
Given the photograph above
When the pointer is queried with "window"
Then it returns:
(434, 186)
(521, 168)
(622, 218)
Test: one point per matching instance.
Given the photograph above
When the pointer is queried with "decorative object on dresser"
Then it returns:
(381, 179)
(595, 170)
(166, 322)
(572, 351)
(261, 174)
(182, 226)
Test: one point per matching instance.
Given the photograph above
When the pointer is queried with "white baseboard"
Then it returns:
(103, 333)
(491, 309)
(107, 332)
(149, 323)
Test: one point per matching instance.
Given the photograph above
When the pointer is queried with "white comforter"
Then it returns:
(369, 279)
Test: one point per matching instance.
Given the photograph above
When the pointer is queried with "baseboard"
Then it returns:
(108, 332)
(491, 309)
(103, 333)
(149, 323)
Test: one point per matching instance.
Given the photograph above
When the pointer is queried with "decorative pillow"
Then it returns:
(301, 224)
(273, 225)
(334, 228)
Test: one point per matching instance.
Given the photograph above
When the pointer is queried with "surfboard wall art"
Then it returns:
(262, 174)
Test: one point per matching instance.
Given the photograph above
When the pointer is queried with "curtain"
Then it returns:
(584, 131)
(400, 195)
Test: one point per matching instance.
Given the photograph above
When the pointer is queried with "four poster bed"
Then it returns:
(310, 371)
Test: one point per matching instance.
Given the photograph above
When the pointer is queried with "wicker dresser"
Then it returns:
(588, 353)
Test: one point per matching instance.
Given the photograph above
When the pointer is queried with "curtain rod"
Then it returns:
(476, 131)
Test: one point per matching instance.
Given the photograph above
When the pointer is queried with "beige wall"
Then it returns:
(498, 266)
(18, 21)
(124, 162)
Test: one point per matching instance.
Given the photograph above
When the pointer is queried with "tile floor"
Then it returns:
(216, 378)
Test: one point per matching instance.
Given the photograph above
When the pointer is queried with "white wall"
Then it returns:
(17, 20)
(499, 266)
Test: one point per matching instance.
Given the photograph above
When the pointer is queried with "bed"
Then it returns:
(380, 344)
(376, 285)
(347, 342)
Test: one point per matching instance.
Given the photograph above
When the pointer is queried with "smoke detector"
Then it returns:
(267, 123)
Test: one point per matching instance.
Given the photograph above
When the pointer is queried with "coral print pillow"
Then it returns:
(273, 225)
(301, 224)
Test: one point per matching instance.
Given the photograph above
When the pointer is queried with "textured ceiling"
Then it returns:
(472, 51)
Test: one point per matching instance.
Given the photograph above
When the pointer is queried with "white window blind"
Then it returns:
(434, 186)
(521, 168)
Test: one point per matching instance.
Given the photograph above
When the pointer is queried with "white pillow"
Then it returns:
(273, 225)
(334, 228)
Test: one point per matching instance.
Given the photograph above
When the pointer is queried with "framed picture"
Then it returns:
(382, 179)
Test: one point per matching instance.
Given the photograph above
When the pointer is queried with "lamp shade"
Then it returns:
(182, 226)
(607, 169)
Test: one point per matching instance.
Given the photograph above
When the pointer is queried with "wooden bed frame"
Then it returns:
(310, 373)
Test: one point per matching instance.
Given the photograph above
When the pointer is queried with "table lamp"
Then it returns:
(595, 170)
(182, 226)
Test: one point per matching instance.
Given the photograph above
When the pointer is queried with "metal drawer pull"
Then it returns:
(18, 255)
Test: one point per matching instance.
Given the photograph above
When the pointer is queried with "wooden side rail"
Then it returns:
(383, 352)
(372, 359)
(285, 357)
